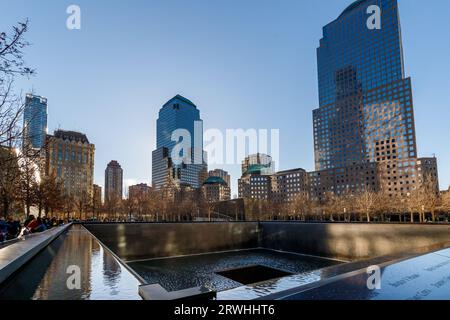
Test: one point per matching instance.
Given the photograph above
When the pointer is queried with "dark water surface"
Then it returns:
(202, 270)
(45, 276)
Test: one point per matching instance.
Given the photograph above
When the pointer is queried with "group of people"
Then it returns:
(11, 229)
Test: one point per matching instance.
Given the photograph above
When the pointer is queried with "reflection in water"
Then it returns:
(111, 270)
(262, 289)
(45, 276)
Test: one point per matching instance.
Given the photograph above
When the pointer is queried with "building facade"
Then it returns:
(139, 191)
(347, 180)
(216, 189)
(179, 124)
(35, 121)
(70, 156)
(288, 184)
(264, 161)
(427, 173)
(259, 181)
(221, 174)
(113, 181)
(256, 179)
(365, 117)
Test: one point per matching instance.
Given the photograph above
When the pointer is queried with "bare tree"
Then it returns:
(416, 202)
(129, 205)
(96, 206)
(82, 203)
(12, 64)
(366, 202)
(9, 180)
(68, 205)
(432, 199)
(445, 202)
(29, 178)
(328, 206)
(113, 206)
(51, 194)
(301, 206)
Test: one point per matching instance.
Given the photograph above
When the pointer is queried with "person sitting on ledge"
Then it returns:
(32, 224)
(41, 227)
(53, 222)
(14, 228)
(28, 220)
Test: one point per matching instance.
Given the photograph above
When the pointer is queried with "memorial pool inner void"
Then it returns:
(238, 260)
(225, 270)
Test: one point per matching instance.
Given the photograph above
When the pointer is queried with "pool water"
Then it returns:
(45, 277)
(213, 271)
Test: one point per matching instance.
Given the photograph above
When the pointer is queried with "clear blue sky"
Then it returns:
(246, 64)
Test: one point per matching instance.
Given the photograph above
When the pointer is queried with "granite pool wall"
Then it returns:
(345, 241)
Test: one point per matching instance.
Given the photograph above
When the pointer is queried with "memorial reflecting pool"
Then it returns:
(208, 269)
(45, 276)
(243, 260)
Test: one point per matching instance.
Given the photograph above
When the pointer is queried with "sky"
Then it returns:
(245, 64)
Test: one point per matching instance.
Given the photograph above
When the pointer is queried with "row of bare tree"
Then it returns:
(421, 205)
(146, 206)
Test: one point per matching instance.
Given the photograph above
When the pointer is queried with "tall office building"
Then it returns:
(35, 121)
(70, 156)
(113, 181)
(169, 165)
(366, 116)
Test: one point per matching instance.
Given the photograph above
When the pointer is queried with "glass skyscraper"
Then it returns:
(366, 110)
(178, 113)
(35, 121)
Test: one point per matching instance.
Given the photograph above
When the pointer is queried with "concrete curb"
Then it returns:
(15, 255)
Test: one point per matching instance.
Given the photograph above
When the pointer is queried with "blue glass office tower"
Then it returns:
(366, 112)
(35, 121)
(178, 113)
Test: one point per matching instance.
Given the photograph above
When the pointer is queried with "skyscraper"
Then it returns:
(170, 165)
(35, 121)
(365, 118)
(113, 181)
